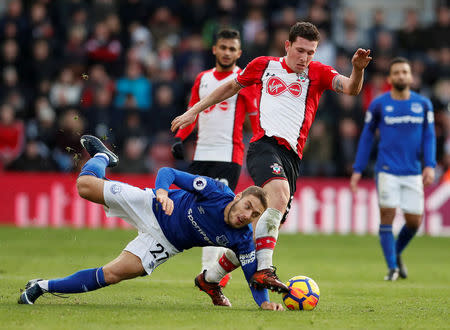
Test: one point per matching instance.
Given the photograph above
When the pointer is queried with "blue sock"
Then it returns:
(82, 281)
(95, 166)
(388, 244)
(404, 237)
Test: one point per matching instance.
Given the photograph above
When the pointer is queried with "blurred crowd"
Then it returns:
(122, 70)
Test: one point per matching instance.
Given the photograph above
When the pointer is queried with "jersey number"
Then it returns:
(159, 251)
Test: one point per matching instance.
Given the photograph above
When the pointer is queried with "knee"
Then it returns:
(279, 197)
(83, 186)
(387, 216)
(110, 276)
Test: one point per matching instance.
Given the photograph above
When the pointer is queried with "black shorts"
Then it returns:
(268, 160)
(226, 172)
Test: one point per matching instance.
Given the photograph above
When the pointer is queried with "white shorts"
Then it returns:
(134, 205)
(403, 191)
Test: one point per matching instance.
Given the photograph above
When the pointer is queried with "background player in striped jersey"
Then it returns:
(405, 121)
(288, 90)
(219, 148)
(203, 212)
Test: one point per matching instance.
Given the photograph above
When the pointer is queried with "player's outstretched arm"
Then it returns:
(353, 85)
(221, 93)
(271, 306)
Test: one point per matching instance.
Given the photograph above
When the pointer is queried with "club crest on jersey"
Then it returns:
(276, 86)
(222, 240)
(416, 107)
(199, 183)
(276, 168)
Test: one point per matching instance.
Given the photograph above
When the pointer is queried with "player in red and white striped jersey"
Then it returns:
(288, 94)
(219, 147)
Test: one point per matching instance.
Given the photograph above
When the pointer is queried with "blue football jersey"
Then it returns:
(407, 137)
(198, 219)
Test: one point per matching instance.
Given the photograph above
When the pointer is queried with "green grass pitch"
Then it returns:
(348, 269)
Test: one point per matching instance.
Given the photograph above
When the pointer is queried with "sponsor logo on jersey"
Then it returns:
(403, 120)
(247, 258)
(389, 108)
(197, 227)
(276, 86)
(221, 106)
(416, 107)
(222, 240)
(276, 168)
(115, 188)
(199, 183)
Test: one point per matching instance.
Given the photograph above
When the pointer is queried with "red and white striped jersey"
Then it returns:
(219, 136)
(287, 101)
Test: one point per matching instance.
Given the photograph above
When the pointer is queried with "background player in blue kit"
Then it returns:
(407, 142)
(203, 212)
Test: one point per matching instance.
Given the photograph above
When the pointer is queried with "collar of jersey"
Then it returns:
(222, 75)
(285, 66)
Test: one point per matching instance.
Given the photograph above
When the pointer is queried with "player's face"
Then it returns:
(227, 52)
(400, 76)
(244, 210)
(300, 53)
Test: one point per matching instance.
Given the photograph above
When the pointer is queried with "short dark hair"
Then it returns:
(259, 193)
(228, 34)
(397, 60)
(305, 30)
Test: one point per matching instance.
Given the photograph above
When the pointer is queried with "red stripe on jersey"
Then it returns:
(226, 264)
(183, 133)
(239, 117)
(267, 242)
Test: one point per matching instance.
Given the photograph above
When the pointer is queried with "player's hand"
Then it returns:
(361, 59)
(184, 120)
(354, 181)
(178, 149)
(162, 196)
(428, 176)
(271, 306)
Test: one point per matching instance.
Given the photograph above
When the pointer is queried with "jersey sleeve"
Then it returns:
(372, 119)
(199, 185)
(253, 72)
(183, 133)
(327, 75)
(429, 140)
(246, 254)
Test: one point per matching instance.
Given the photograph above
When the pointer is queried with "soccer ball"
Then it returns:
(303, 294)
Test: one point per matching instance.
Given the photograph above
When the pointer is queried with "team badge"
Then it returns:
(115, 188)
(416, 107)
(199, 183)
(389, 108)
(276, 168)
(222, 240)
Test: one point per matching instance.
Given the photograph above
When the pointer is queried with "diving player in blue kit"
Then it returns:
(203, 212)
(407, 140)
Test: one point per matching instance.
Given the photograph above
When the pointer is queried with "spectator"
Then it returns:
(66, 91)
(134, 84)
(12, 135)
(33, 159)
(133, 158)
